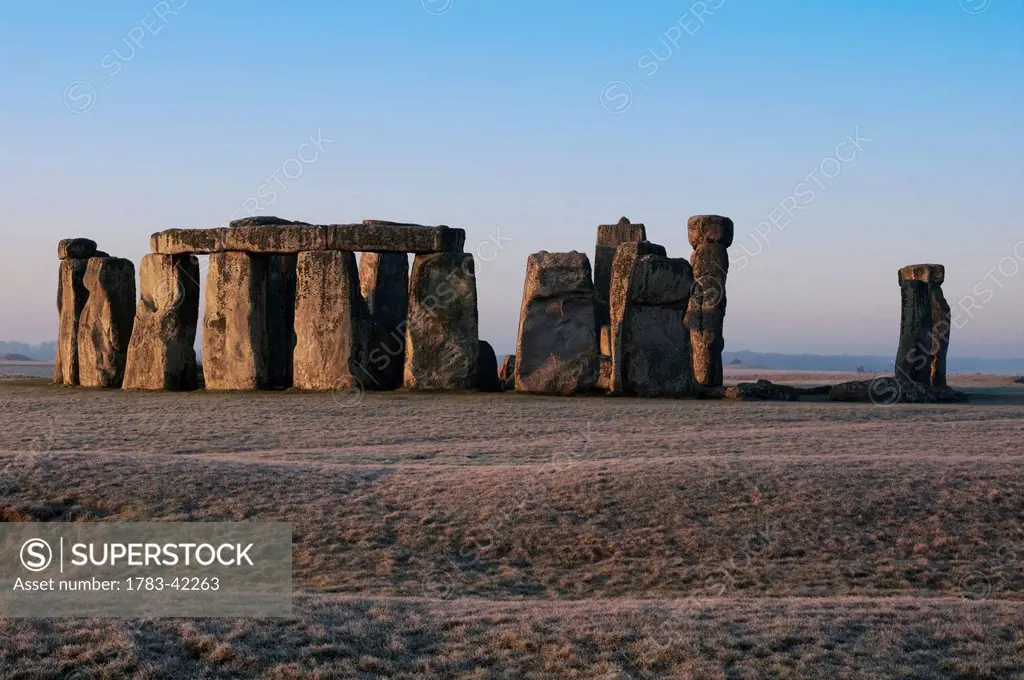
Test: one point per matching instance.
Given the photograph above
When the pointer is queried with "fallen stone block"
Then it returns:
(762, 390)
(105, 328)
(557, 348)
(442, 330)
(235, 342)
(162, 355)
(815, 391)
(887, 391)
(330, 327)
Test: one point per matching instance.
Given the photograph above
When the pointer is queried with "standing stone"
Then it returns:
(71, 298)
(329, 322)
(557, 352)
(507, 373)
(924, 325)
(384, 283)
(710, 236)
(609, 238)
(650, 345)
(442, 332)
(162, 354)
(235, 352)
(487, 369)
(105, 328)
(280, 319)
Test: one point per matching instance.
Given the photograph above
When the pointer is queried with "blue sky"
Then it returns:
(537, 121)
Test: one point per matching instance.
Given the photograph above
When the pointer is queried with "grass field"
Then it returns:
(512, 536)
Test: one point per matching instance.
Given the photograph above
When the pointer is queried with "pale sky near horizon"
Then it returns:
(846, 139)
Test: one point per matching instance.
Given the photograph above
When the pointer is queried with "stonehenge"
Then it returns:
(925, 325)
(287, 306)
(557, 349)
(710, 236)
(162, 355)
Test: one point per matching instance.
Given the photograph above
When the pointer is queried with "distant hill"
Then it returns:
(746, 359)
(871, 364)
(13, 356)
(45, 351)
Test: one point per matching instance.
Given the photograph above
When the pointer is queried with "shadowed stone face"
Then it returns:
(71, 298)
(487, 369)
(329, 322)
(609, 238)
(925, 324)
(105, 328)
(384, 283)
(235, 344)
(710, 236)
(162, 353)
(281, 318)
(442, 335)
(650, 345)
(557, 349)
